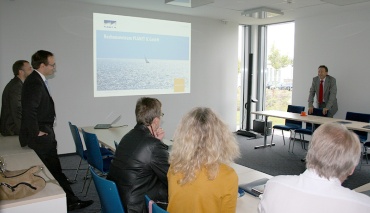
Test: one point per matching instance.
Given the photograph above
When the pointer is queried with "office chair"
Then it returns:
(94, 156)
(78, 144)
(153, 207)
(362, 117)
(289, 124)
(80, 149)
(308, 130)
(110, 200)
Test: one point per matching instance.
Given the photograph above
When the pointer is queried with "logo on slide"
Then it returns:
(110, 24)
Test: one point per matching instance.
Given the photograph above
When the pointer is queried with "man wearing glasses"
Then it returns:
(38, 114)
(141, 160)
(11, 109)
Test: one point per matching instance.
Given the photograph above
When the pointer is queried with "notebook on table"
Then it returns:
(255, 188)
(106, 126)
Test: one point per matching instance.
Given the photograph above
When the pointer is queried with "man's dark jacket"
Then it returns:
(11, 109)
(140, 168)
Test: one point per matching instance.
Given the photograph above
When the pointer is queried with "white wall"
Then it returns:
(342, 43)
(65, 28)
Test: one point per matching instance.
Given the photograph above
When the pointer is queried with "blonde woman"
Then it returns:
(199, 178)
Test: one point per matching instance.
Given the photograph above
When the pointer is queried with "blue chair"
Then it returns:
(289, 124)
(309, 128)
(110, 200)
(153, 207)
(78, 144)
(362, 117)
(94, 156)
(80, 149)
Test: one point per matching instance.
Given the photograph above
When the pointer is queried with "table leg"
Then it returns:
(265, 136)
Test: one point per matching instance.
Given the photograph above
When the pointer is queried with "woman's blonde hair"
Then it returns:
(201, 140)
(334, 151)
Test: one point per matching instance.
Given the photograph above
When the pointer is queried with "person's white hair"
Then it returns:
(334, 151)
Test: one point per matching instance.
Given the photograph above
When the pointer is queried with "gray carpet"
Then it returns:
(274, 160)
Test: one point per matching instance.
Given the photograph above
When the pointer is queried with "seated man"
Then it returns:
(332, 156)
(141, 163)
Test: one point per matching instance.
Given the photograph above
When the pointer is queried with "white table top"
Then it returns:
(353, 125)
(108, 136)
(10, 145)
(16, 158)
(245, 204)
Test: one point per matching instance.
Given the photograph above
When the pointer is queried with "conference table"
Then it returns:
(51, 199)
(352, 125)
(247, 203)
(107, 137)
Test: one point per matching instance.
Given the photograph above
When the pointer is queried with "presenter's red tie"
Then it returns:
(321, 92)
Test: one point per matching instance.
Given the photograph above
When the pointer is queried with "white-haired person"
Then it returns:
(332, 156)
(200, 178)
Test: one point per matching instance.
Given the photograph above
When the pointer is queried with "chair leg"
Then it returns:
(272, 136)
(88, 186)
(282, 132)
(291, 141)
(78, 168)
(83, 187)
(294, 140)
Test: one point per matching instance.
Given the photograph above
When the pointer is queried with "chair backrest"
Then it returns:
(94, 156)
(153, 207)
(110, 200)
(116, 144)
(77, 139)
(362, 117)
(294, 109)
(316, 112)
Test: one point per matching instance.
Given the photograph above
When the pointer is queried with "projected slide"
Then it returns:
(140, 56)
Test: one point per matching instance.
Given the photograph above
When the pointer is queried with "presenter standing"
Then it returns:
(324, 87)
(38, 114)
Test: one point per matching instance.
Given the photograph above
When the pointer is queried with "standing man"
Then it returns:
(325, 88)
(11, 109)
(140, 164)
(38, 116)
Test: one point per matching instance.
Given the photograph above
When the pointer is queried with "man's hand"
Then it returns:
(310, 110)
(325, 111)
(41, 133)
(159, 134)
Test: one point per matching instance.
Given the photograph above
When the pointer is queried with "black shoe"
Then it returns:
(79, 205)
(71, 181)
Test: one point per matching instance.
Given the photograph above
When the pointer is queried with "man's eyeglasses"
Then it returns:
(53, 65)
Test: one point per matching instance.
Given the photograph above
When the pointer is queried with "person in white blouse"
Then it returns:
(332, 156)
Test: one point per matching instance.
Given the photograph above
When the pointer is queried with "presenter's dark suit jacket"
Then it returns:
(330, 94)
(38, 111)
(38, 115)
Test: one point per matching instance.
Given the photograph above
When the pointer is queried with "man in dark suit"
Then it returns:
(328, 100)
(38, 116)
(11, 109)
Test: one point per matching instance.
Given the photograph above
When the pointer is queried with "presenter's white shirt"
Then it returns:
(309, 193)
